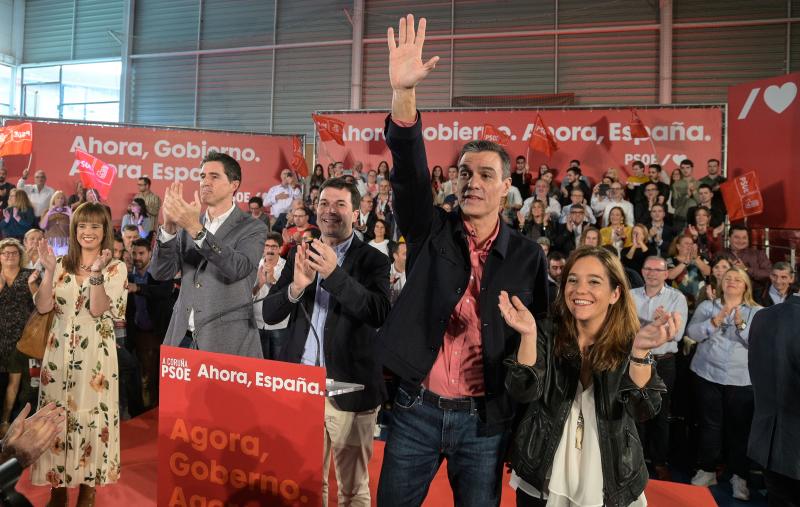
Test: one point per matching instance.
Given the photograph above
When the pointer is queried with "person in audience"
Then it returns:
(293, 235)
(687, 268)
(437, 180)
(383, 170)
(708, 239)
(616, 200)
(652, 301)
(93, 196)
(541, 193)
(317, 176)
(39, 193)
(397, 271)
(78, 197)
(151, 200)
(365, 219)
(18, 217)
(286, 219)
(537, 223)
(723, 391)
(611, 174)
(147, 316)
(572, 180)
(547, 176)
(654, 175)
(660, 232)
(449, 362)
(555, 266)
(714, 178)
(577, 200)
(590, 237)
(79, 369)
(382, 206)
(450, 186)
(279, 198)
(273, 336)
(345, 284)
(584, 378)
(512, 203)
(130, 233)
(643, 206)
(617, 233)
(521, 177)
(751, 259)
(773, 362)
(312, 201)
(5, 188)
(16, 287)
(636, 179)
(719, 266)
(705, 199)
(138, 217)
(31, 243)
(371, 185)
(682, 193)
(380, 240)
(55, 223)
(337, 171)
(781, 285)
(633, 257)
(256, 207)
(567, 235)
(545, 244)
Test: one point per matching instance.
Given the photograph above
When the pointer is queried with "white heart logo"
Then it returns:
(778, 98)
(678, 159)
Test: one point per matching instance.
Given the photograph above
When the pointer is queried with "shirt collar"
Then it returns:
(774, 292)
(343, 247)
(220, 219)
(472, 238)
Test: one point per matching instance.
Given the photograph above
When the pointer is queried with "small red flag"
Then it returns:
(95, 173)
(542, 140)
(298, 160)
(638, 130)
(16, 139)
(495, 135)
(330, 129)
(742, 196)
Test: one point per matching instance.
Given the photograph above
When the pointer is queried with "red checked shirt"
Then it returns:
(458, 370)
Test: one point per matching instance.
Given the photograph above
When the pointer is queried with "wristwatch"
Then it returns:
(646, 360)
(200, 235)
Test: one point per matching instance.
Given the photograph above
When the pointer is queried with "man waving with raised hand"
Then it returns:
(445, 338)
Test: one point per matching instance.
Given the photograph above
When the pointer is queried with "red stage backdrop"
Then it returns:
(599, 138)
(763, 133)
(163, 155)
(238, 431)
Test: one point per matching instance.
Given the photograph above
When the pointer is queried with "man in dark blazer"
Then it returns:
(340, 285)
(445, 338)
(217, 255)
(774, 365)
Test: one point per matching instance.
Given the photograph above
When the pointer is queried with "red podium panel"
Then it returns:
(238, 431)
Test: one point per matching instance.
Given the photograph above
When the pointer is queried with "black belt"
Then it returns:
(455, 404)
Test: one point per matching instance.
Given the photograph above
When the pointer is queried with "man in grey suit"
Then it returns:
(217, 255)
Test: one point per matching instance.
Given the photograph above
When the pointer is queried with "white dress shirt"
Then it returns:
(40, 199)
(264, 292)
(672, 300)
(278, 206)
(209, 225)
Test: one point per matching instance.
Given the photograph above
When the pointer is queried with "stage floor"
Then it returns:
(137, 486)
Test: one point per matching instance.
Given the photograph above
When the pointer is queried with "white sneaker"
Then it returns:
(740, 490)
(703, 478)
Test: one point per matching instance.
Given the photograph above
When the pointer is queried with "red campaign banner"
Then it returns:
(638, 130)
(330, 129)
(490, 133)
(763, 126)
(542, 139)
(164, 155)
(298, 159)
(742, 196)
(599, 138)
(238, 431)
(16, 140)
(95, 173)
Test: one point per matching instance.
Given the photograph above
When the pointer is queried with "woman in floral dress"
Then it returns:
(79, 371)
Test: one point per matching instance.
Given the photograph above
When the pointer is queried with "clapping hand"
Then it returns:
(6, 215)
(183, 214)
(324, 260)
(47, 257)
(28, 438)
(303, 273)
(661, 330)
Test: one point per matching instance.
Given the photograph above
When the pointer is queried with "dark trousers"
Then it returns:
(147, 345)
(654, 433)
(526, 500)
(782, 491)
(130, 385)
(725, 414)
(273, 341)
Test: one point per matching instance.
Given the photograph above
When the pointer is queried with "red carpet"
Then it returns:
(137, 487)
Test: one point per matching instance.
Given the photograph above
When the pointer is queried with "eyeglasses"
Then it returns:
(655, 270)
(10, 253)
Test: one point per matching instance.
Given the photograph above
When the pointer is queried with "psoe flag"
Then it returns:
(95, 173)
(330, 129)
(742, 196)
(16, 139)
(495, 135)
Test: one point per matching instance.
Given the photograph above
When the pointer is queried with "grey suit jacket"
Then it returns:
(216, 281)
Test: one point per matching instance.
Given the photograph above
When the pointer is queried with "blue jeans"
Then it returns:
(421, 436)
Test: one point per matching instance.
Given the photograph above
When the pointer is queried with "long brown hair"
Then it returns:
(613, 345)
(21, 200)
(88, 212)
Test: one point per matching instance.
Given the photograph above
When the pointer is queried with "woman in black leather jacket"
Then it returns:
(584, 384)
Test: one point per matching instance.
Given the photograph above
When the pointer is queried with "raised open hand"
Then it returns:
(658, 332)
(406, 69)
(516, 315)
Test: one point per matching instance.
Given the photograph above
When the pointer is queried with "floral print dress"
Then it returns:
(79, 372)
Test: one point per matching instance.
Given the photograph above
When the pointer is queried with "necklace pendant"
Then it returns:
(579, 433)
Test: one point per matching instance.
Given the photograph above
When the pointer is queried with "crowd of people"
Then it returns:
(621, 337)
